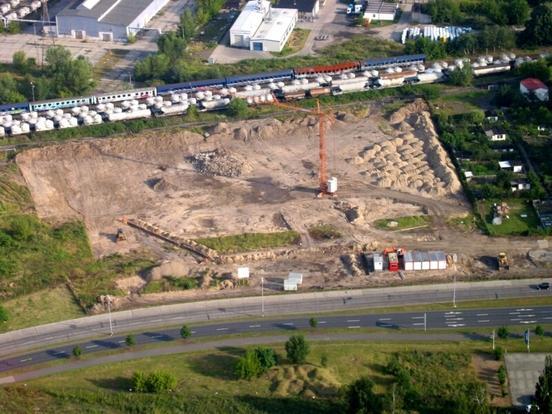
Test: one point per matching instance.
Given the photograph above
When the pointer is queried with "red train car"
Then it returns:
(328, 69)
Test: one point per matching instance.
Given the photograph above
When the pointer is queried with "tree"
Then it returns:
(498, 353)
(539, 330)
(130, 340)
(77, 351)
(543, 390)
(266, 357)
(361, 399)
(538, 69)
(152, 67)
(313, 322)
(154, 382)
(248, 366)
(185, 332)
(297, 349)
(503, 332)
(8, 90)
(4, 316)
(20, 62)
(68, 76)
(171, 45)
(538, 29)
(461, 76)
(238, 108)
(444, 11)
(501, 375)
(187, 25)
(517, 11)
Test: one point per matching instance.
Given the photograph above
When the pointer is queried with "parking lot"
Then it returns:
(523, 374)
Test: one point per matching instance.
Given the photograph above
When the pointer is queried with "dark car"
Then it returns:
(543, 286)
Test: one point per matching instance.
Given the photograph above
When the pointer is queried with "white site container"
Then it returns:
(378, 262)
(297, 278)
(417, 259)
(442, 260)
(290, 285)
(332, 185)
(408, 261)
(425, 261)
(433, 261)
(2, 132)
(243, 273)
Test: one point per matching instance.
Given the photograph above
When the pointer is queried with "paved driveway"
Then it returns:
(523, 374)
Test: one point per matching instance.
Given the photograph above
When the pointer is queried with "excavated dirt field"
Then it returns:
(257, 176)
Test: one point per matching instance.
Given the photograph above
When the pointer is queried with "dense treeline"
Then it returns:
(61, 76)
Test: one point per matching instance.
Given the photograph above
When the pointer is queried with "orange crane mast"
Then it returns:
(324, 120)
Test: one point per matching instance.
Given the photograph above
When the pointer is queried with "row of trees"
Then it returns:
(61, 76)
(169, 63)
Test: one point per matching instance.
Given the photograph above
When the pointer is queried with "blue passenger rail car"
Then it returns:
(382, 63)
(141, 93)
(16, 108)
(190, 86)
(241, 80)
(62, 103)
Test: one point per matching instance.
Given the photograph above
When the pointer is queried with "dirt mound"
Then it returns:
(218, 162)
(402, 114)
(175, 268)
(304, 380)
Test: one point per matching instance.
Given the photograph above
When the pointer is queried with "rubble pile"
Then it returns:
(217, 162)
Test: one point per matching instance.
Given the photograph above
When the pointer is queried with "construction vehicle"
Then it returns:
(393, 255)
(121, 236)
(503, 262)
(325, 120)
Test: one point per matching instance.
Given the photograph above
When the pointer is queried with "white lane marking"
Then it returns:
(254, 326)
(547, 317)
(527, 321)
(456, 325)
(25, 360)
(418, 324)
(384, 319)
(527, 316)
(91, 346)
(515, 319)
(484, 321)
(524, 310)
(157, 320)
(454, 319)
(193, 332)
(481, 314)
(353, 327)
(453, 313)
(513, 313)
(353, 320)
(321, 321)
(288, 323)
(122, 342)
(418, 317)
(60, 353)
(222, 329)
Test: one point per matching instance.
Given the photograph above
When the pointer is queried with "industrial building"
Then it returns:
(107, 20)
(534, 87)
(263, 28)
(307, 9)
(379, 10)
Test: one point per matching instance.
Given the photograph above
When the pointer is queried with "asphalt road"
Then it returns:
(275, 307)
(482, 318)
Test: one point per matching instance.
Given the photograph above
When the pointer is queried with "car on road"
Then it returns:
(543, 286)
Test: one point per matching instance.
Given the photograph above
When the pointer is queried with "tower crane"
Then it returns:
(325, 121)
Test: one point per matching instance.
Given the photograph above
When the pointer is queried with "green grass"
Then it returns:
(513, 226)
(169, 284)
(324, 232)
(295, 43)
(250, 241)
(403, 223)
(465, 224)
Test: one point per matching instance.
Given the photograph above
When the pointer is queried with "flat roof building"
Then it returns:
(380, 10)
(263, 28)
(534, 87)
(108, 20)
(306, 8)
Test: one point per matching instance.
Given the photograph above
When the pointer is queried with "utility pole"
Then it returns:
(454, 292)
(262, 296)
(130, 80)
(493, 337)
(32, 89)
(109, 313)
(527, 334)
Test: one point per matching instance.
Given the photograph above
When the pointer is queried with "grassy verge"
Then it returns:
(250, 241)
(465, 224)
(324, 232)
(403, 223)
(521, 222)
(295, 43)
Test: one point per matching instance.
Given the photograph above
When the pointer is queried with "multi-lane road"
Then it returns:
(473, 318)
(275, 306)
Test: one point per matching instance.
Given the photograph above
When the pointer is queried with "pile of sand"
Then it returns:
(413, 161)
(218, 162)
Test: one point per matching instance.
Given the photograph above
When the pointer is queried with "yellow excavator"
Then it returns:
(503, 261)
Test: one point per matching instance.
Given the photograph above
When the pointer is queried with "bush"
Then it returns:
(4, 316)
(185, 331)
(130, 340)
(502, 375)
(539, 330)
(313, 323)
(248, 366)
(503, 332)
(297, 349)
(360, 397)
(498, 353)
(238, 108)
(155, 382)
(266, 356)
(77, 351)
(324, 360)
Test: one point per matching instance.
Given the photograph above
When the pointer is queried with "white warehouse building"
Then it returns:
(263, 28)
(108, 20)
(380, 10)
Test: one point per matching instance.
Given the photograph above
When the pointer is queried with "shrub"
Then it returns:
(4, 316)
(185, 331)
(539, 330)
(503, 332)
(77, 351)
(324, 360)
(266, 356)
(297, 349)
(130, 340)
(502, 375)
(360, 397)
(155, 382)
(248, 366)
(498, 353)
(313, 323)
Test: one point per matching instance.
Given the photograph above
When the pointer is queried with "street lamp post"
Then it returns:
(32, 90)
(262, 296)
(454, 292)
(109, 313)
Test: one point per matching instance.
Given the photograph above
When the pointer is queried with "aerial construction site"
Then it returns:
(170, 193)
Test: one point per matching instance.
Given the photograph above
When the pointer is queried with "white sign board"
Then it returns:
(243, 273)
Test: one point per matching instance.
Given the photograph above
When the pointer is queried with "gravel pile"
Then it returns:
(218, 162)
